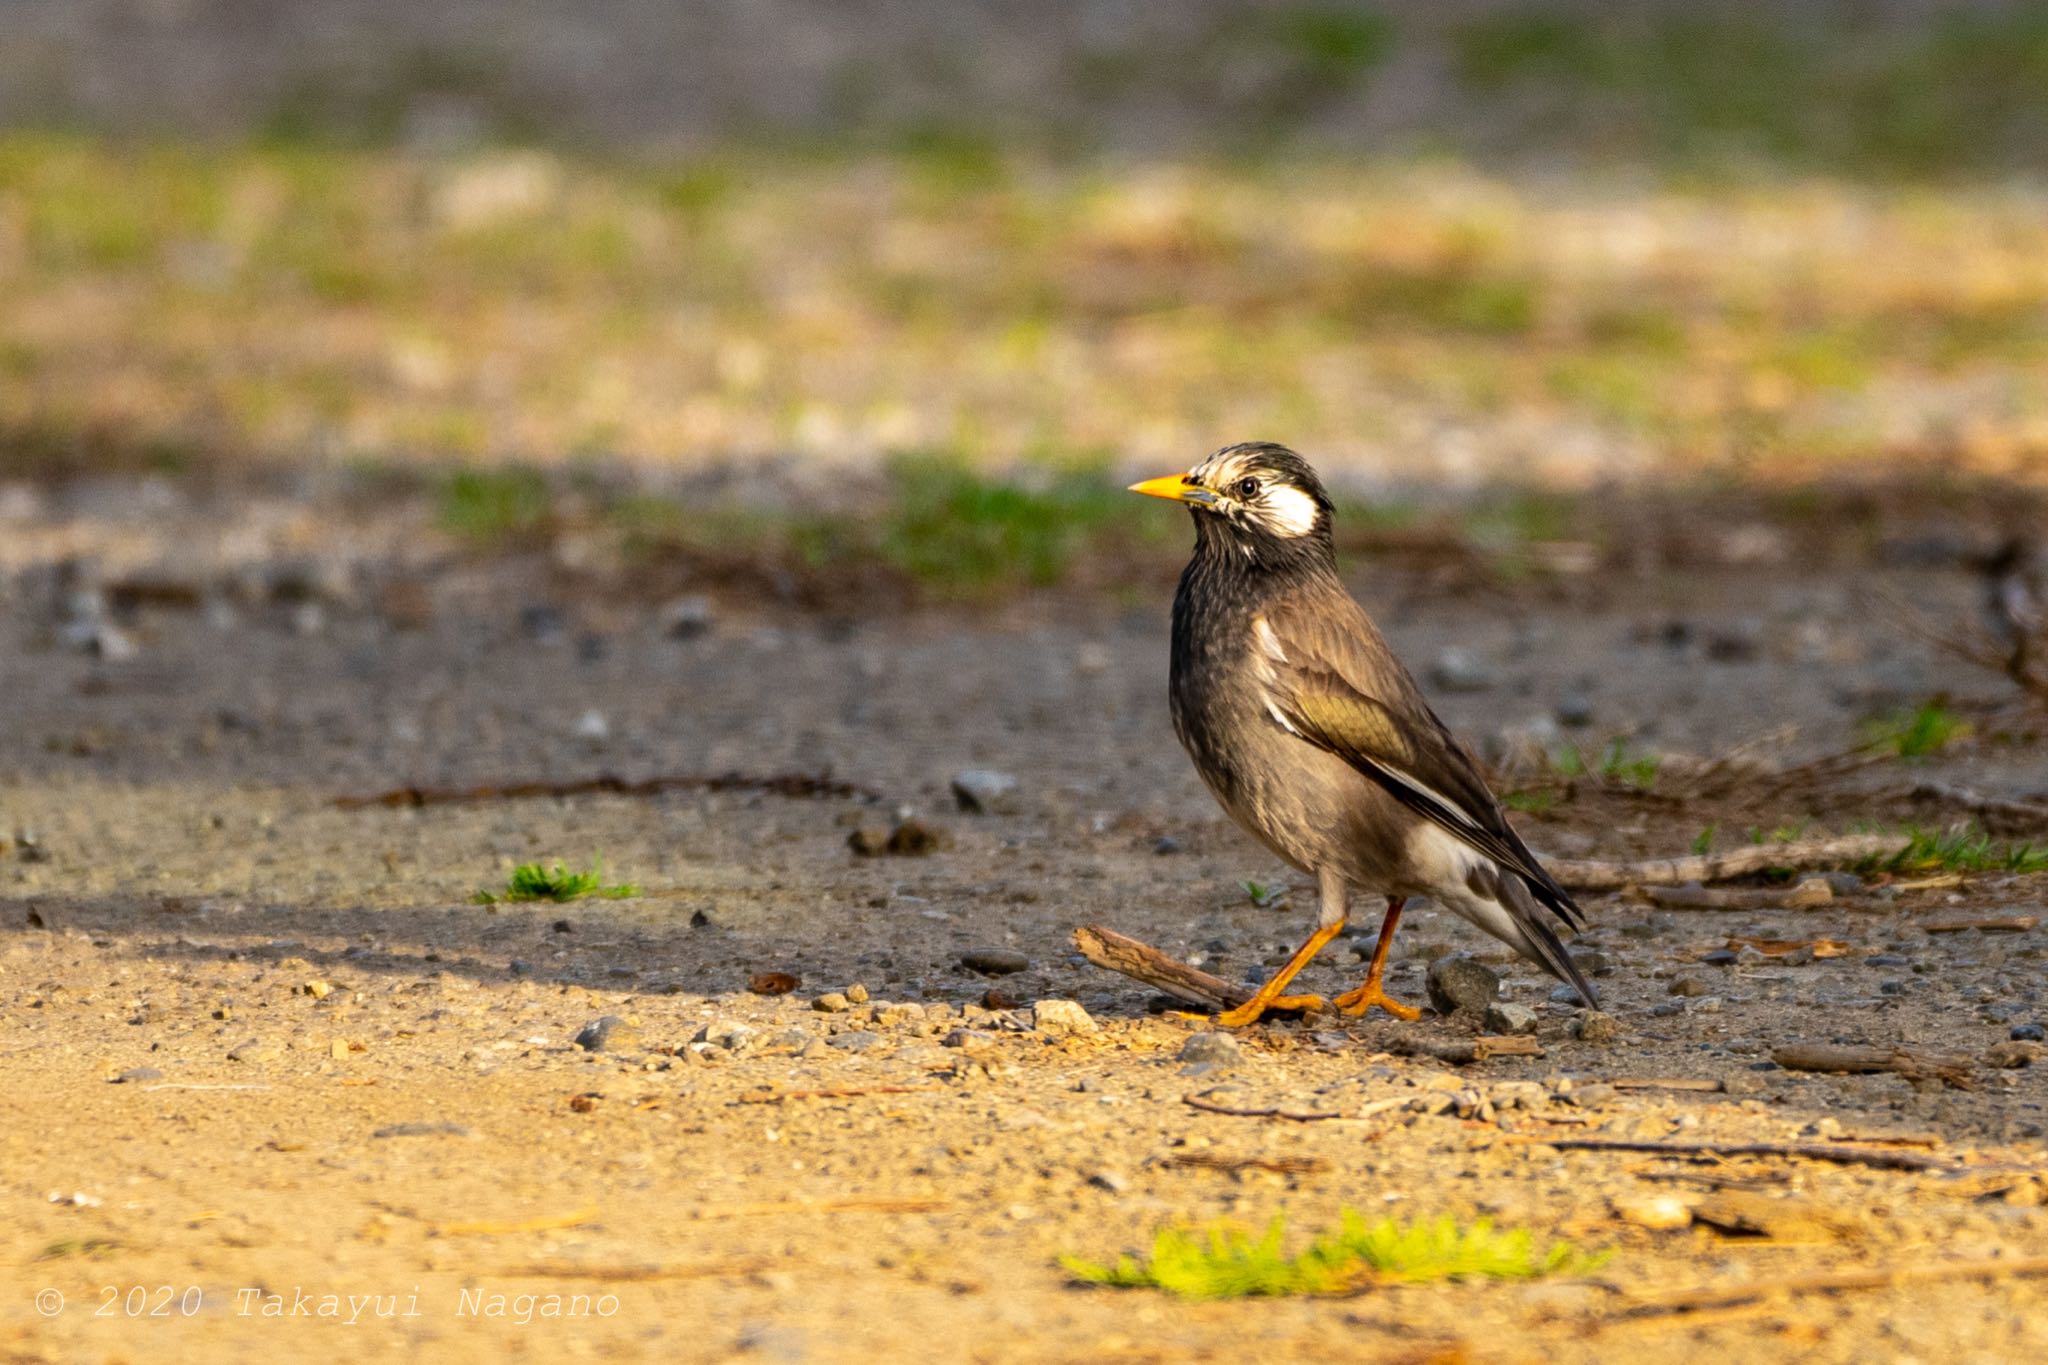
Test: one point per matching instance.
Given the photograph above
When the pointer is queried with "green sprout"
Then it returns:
(532, 882)
(1263, 896)
(1961, 849)
(1225, 1261)
(1534, 800)
(1704, 843)
(1927, 729)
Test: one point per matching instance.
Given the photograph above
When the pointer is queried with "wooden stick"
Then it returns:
(1463, 1051)
(834, 1093)
(1294, 1115)
(1142, 962)
(1692, 896)
(1885, 1158)
(606, 784)
(1699, 1083)
(1578, 875)
(1279, 1165)
(1955, 1072)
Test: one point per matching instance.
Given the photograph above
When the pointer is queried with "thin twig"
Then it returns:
(835, 1093)
(1293, 1115)
(1279, 1165)
(1699, 1083)
(777, 1207)
(1694, 1298)
(1882, 1158)
(617, 1274)
(1799, 856)
(799, 785)
(1999, 814)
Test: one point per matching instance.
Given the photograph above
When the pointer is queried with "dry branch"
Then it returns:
(1692, 896)
(606, 784)
(1885, 1158)
(1956, 1072)
(1800, 856)
(1998, 814)
(1462, 1051)
(1142, 962)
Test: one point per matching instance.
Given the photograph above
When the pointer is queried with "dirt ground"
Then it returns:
(263, 1049)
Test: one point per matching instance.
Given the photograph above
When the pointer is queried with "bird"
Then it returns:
(1317, 741)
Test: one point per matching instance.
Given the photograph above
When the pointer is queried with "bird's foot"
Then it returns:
(1355, 1003)
(1250, 1010)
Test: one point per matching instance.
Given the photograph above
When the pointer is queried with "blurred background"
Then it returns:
(1428, 243)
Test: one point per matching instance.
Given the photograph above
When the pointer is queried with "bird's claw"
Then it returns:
(1355, 1003)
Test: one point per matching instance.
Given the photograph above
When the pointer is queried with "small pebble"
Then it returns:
(1460, 670)
(685, 618)
(136, 1074)
(1060, 1017)
(1575, 709)
(2028, 1033)
(984, 791)
(607, 1034)
(860, 1040)
(857, 993)
(442, 1129)
(1507, 1017)
(2013, 1054)
(1460, 983)
(1658, 1212)
(994, 961)
(1596, 1027)
(1688, 985)
(256, 1050)
(1212, 1048)
(832, 1002)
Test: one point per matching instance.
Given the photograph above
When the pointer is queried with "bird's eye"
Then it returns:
(1246, 489)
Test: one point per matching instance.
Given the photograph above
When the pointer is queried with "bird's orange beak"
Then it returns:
(1175, 487)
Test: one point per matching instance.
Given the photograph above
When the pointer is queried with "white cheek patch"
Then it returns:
(1289, 511)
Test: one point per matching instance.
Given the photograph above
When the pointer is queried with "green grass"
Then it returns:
(1224, 1261)
(950, 527)
(495, 505)
(532, 882)
(1927, 729)
(1616, 764)
(1263, 896)
(1534, 800)
(1961, 849)
(1704, 842)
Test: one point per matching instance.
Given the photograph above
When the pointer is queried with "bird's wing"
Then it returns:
(1331, 681)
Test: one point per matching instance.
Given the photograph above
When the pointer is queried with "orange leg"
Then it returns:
(1370, 994)
(1269, 997)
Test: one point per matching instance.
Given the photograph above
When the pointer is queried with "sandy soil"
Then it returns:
(260, 1045)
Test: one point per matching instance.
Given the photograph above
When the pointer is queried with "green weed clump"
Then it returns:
(532, 882)
(952, 528)
(495, 504)
(1964, 848)
(1926, 729)
(1224, 1261)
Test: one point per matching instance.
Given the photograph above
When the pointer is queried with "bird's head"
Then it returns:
(1258, 494)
